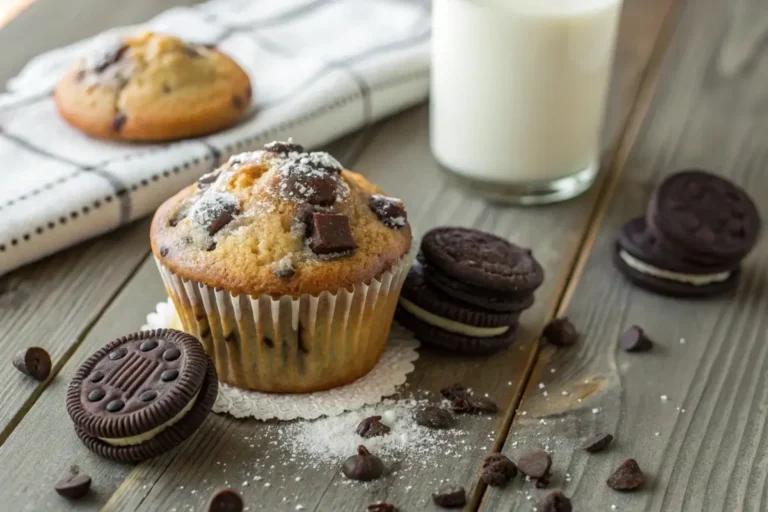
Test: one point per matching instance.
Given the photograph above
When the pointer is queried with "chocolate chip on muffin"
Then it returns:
(389, 210)
(331, 234)
(214, 211)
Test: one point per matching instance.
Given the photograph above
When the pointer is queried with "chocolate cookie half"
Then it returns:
(483, 261)
(703, 214)
(141, 395)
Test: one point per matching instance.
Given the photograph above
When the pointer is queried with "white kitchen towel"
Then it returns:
(319, 69)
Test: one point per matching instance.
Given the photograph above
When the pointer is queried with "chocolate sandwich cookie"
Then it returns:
(642, 257)
(141, 395)
(420, 303)
(705, 216)
(483, 261)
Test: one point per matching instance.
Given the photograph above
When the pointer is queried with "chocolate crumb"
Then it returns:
(433, 417)
(497, 470)
(455, 391)
(555, 501)
(597, 443)
(627, 477)
(372, 427)
(635, 340)
(560, 332)
(451, 496)
(364, 466)
(535, 464)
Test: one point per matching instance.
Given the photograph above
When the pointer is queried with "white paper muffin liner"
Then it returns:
(390, 372)
(286, 344)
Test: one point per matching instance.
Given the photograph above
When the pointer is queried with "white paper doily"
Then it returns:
(395, 364)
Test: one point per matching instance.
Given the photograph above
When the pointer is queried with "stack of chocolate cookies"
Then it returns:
(467, 289)
(697, 229)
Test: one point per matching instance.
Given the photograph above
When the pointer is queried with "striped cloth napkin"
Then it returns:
(319, 68)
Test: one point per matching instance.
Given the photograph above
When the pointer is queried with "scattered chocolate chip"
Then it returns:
(472, 405)
(498, 470)
(284, 148)
(119, 121)
(635, 340)
(214, 211)
(455, 391)
(331, 234)
(34, 362)
(204, 181)
(535, 464)
(560, 332)
(363, 466)
(237, 102)
(627, 476)
(314, 188)
(225, 500)
(110, 58)
(555, 501)
(73, 487)
(164, 251)
(382, 507)
(433, 417)
(372, 427)
(390, 211)
(543, 482)
(597, 443)
(211, 246)
(452, 496)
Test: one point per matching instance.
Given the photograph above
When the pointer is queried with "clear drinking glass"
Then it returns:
(518, 94)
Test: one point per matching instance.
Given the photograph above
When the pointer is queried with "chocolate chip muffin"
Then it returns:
(286, 266)
(153, 87)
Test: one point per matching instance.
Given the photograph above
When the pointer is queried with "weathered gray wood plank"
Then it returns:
(704, 447)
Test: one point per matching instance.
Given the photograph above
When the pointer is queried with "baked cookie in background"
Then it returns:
(154, 87)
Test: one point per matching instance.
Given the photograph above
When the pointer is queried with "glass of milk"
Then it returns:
(518, 94)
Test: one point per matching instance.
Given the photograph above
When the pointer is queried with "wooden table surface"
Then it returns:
(690, 90)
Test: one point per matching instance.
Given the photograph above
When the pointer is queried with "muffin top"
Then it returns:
(153, 86)
(280, 221)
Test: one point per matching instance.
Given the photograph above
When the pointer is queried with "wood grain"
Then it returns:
(704, 446)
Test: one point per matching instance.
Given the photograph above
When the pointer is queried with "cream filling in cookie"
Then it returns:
(451, 325)
(694, 279)
(149, 434)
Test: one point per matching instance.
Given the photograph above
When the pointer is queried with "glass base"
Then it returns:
(529, 193)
